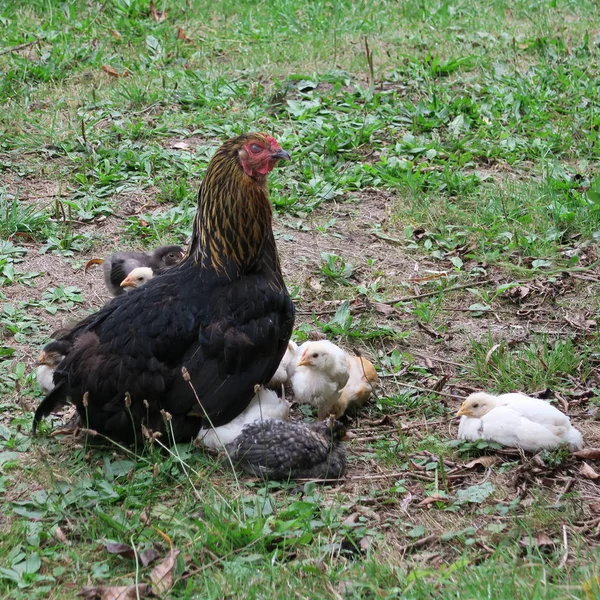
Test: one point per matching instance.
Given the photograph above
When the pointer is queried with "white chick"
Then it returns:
(522, 422)
(50, 357)
(139, 276)
(534, 409)
(363, 378)
(264, 405)
(281, 375)
(318, 374)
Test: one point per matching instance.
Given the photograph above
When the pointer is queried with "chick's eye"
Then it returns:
(475, 405)
(316, 355)
(255, 148)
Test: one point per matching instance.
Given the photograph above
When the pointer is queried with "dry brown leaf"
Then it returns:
(143, 223)
(124, 592)
(121, 549)
(365, 543)
(180, 146)
(484, 461)
(59, 534)
(351, 519)
(111, 71)
(115, 33)
(491, 351)
(431, 500)
(162, 575)
(181, 35)
(587, 471)
(149, 556)
(156, 14)
(384, 309)
(518, 292)
(589, 453)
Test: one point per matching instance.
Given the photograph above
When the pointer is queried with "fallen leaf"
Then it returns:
(181, 35)
(59, 534)
(365, 543)
(430, 331)
(351, 519)
(125, 592)
(156, 14)
(519, 292)
(432, 499)
(406, 501)
(180, 146)
(384, 309)
(162, 575)
(121, 549)
(491, 351)
(540, 540)
(315, 284)
(589, 453)
(115, 33)
(143, 223)
(484, 461)
(587, 471)
(111, 71)
(149, 556)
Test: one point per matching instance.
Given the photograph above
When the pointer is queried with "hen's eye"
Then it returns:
(255, 148)
(316, 355)
(475, 405)
(140, 278)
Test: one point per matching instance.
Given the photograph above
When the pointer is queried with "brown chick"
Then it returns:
(363, 378)
(284, 450)
(50, 357)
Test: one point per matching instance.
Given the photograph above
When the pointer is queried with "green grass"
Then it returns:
(445, 153)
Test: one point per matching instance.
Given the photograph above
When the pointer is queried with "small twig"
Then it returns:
(462, 286)
(370, 63)
(441, 360)
(563, 560)
(421, 542)
(19, 47)
(421, 389)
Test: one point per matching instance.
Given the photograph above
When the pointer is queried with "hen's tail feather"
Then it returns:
(54, 400)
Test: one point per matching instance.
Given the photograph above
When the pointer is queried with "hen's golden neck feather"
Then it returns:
(234, 214)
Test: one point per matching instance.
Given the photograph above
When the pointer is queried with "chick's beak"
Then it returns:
(305, 362)
(463, 412)
(42, 359)
(281, 155)
(127, 283)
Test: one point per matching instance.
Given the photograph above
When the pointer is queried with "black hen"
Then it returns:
(282, 450)
(223, 313)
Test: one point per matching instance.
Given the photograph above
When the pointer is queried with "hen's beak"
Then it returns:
(127, 283)
(281, 155)
(463, 412)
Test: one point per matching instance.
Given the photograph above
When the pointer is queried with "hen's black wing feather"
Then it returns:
(230, 335)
